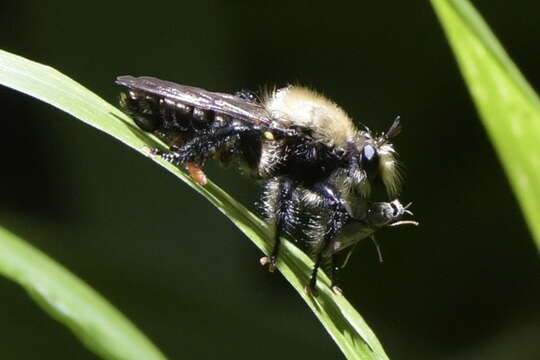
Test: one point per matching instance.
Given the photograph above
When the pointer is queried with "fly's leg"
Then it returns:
(194, 152)
(279, 208)
(337, 213)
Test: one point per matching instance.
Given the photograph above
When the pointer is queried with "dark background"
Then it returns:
(463, 285)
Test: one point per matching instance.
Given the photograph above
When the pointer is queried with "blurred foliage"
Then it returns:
(509, 106)
(69, 300)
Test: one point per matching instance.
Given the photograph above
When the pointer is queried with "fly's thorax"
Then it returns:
(295, 106)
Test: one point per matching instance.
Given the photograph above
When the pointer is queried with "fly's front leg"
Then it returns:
(279, 209)
(311, 288)
(336, 212)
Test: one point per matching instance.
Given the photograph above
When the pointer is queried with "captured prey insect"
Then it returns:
(333, 254)
(317, 167)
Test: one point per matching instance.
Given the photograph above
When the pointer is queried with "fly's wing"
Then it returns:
(199, 98)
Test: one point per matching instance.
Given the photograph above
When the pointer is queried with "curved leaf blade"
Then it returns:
(348, 329)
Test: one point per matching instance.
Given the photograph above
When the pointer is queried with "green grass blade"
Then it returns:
(340, 319)
(103, 329)
(508, 106)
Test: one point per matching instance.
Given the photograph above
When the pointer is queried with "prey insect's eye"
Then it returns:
(370, 160)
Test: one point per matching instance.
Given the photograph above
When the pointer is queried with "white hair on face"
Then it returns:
(364, 188)
(299, 106)
(389, 169)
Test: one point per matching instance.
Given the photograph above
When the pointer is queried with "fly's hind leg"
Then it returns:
(194, 152)
(174, 157)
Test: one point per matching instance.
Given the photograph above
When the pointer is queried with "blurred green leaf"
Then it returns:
(508, 106)
(343, 323)
(69, 300)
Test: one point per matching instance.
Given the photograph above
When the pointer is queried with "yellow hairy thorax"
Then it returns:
(299, 106)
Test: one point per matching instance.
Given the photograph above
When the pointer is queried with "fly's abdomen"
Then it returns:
(194, 134)
(153, 112)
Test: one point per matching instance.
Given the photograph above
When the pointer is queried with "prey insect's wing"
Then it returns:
(220, 103)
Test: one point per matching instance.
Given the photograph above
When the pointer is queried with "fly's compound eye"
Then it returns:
(370, 160)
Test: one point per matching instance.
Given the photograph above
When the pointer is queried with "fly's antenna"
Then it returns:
(394, 131)
(405, 222)
(365, 128)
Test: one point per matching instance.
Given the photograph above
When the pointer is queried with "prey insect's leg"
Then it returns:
(339, 261)
(336, 270)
